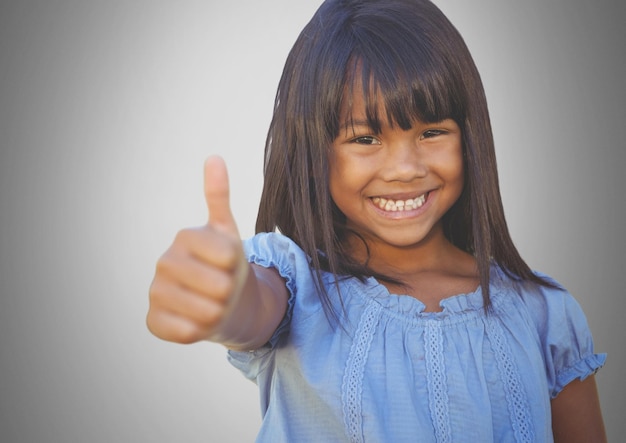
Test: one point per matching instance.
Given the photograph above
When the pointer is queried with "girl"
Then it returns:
(382, 299)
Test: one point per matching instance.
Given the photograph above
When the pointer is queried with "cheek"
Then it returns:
(336, 179)
(349, 178)
(457, 162)
(455, 170)
(343, 174)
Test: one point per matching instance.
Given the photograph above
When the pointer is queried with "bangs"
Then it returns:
(403, 78)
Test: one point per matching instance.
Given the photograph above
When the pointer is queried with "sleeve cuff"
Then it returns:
(580, 370)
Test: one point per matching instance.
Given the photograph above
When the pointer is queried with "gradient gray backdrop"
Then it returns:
(107, 111)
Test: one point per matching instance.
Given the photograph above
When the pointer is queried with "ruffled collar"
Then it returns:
(408, 306)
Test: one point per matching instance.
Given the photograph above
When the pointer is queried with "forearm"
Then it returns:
(253, 316)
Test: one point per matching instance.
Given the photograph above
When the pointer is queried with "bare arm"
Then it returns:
(576, 415)
(204, 289)
(254, 318)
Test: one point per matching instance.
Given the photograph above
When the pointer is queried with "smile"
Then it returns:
(399, 205)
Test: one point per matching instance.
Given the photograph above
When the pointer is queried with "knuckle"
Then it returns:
(181, 237)
(233, 254)
(185, 236)
(163, 265)
(189, 333)
(167, 264)
(226, 249)
(233, 259)
(156, 292)
(175, 329)
(223, 287)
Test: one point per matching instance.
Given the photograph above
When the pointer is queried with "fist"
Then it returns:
(199, 277)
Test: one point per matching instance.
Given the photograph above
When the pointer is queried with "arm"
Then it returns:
(576, 415)
(252, 320)
(204, 289)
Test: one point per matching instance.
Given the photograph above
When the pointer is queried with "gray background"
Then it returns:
(107, 111)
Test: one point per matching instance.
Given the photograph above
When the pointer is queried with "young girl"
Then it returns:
(382, 299)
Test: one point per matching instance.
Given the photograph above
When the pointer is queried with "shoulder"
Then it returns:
(561, 329)
(550, 304)
(272, 249)
(277, 251)
(540, 301)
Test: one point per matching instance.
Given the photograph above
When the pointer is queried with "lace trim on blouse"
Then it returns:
(355, 368)
(516, 398)
(437, 381)
(352, 389)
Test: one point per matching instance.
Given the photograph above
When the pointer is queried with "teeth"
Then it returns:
(399, 205)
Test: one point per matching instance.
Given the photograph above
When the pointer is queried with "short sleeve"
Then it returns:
(272, 250)
(565, 337)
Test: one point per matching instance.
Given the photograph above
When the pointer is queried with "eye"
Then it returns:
(365, 140)
(430, 133)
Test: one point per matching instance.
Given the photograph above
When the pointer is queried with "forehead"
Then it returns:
(355, 101)
(364, 102)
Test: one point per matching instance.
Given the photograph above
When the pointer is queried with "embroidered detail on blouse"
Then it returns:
(513, 387)
(355, 367)
(437, 381)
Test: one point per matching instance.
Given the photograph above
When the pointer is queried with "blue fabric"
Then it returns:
(394, 373)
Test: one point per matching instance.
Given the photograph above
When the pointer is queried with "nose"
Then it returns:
(404, 162)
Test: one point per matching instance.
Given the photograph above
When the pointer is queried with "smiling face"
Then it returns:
(395, 185)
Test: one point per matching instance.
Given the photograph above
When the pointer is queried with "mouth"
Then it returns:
(390, 205)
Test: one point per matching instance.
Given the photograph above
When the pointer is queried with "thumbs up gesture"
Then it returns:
(217, 196)
(202, 274)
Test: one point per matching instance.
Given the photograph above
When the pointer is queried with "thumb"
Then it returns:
(216, 194)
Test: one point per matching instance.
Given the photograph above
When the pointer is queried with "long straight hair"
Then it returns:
(407, 53)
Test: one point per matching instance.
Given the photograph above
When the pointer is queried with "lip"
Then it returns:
(404, 214)
(402, 195)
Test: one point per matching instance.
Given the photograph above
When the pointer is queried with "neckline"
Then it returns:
(450, 303)
(411, 307)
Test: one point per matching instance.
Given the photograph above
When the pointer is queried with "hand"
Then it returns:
(202, 273)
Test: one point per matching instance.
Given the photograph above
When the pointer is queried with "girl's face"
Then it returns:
(394, 187)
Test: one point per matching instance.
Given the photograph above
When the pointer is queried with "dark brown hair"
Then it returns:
(413, 57)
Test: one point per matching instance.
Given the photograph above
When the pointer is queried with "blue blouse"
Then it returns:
(390, 372)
